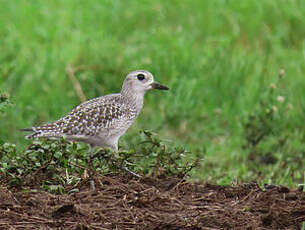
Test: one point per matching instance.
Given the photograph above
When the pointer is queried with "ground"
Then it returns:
(122, 202)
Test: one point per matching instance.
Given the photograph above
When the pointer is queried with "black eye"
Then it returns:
(140, 76)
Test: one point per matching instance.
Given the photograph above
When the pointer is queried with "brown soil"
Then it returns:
(121, 202)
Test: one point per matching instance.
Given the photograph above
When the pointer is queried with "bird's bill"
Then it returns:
(156, 85)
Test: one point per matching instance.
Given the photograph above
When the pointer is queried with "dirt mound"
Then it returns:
(121, 202)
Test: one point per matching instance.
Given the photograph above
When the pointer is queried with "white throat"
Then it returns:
(134, 98)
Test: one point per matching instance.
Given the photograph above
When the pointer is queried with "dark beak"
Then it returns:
(156, 85)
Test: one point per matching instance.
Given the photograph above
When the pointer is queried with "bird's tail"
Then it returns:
(47, 130)
(32, 135)
(27, 130)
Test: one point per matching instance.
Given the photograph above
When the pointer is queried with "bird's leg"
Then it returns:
(88, 160)
(91, 148)
(124, 168)
(91, 151)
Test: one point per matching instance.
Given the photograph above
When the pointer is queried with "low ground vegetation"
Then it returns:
(56, 184)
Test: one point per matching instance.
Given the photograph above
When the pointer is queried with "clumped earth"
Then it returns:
(122, 202)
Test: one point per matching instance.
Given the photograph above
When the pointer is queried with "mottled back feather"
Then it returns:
(89, 118)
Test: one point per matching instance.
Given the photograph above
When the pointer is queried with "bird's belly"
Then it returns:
(116, 130)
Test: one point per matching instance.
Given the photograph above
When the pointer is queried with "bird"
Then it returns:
(101, 121)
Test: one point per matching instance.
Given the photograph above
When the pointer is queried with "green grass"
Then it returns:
(218, 57)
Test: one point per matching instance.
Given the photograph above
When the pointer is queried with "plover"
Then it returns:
(103, 120)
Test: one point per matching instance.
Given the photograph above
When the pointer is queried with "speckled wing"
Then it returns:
(87, 119)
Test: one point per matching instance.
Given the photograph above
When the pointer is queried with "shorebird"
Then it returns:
(103, 120)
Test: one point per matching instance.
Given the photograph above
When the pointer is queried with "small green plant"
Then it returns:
(43, 161)
(4, 101)
(58, 166)
(264, 128)
(303, 225)
(152, 156)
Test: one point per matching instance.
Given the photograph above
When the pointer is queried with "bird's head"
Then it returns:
(141, 81)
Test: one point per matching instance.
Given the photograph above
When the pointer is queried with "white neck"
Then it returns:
(133, 98)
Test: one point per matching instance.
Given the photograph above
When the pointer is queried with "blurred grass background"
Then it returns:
(218, 57)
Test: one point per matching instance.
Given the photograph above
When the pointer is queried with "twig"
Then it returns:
(70, 70)
(78, 166)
